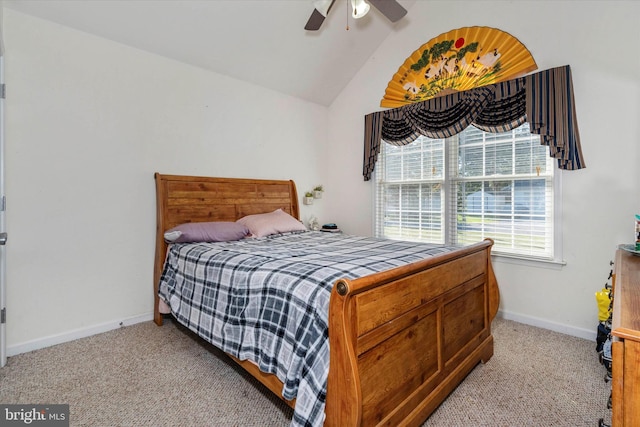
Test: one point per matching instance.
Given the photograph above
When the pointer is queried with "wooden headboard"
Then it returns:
(181, 199)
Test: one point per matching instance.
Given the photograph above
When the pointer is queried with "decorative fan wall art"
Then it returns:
(458, 60)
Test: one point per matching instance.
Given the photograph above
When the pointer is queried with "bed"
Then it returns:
(399, 340)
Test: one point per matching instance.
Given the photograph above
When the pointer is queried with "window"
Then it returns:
(469, 187)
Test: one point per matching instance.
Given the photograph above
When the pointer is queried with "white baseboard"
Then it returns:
(75, 334)
(105, 327)
(552, 326)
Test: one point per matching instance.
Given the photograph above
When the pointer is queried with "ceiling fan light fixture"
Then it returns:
(322, 6)
(360, 8)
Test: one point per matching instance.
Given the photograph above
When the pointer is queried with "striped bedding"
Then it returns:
(267, 300)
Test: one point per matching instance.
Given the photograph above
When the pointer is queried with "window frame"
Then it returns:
(556, 261)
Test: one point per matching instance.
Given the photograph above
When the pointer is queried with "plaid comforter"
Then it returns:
(267, 300)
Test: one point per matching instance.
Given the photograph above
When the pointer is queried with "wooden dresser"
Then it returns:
(625, 349)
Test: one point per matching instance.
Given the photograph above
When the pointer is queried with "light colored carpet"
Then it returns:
(144, 375)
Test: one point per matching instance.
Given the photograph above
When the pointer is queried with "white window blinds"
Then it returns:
(469, 187)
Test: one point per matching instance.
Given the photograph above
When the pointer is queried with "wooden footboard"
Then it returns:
(402, 340)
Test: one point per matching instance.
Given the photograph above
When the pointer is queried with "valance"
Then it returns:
(544, 99)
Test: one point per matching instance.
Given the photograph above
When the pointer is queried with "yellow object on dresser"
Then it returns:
(626, 345)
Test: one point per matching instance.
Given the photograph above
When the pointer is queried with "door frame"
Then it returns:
(3, 309)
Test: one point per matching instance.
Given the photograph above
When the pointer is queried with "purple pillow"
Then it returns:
(206, 232)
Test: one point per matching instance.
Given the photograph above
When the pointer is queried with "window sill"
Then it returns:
(529, 262)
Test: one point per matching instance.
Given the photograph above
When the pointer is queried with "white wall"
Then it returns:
(596, 39)
(88, 123)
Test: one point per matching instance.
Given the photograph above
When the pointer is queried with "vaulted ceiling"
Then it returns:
(262, 42)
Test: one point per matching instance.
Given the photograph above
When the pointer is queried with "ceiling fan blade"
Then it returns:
(317, 18)
(315, 21)
(389, 8)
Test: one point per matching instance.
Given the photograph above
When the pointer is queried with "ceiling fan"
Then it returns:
(389, 8)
